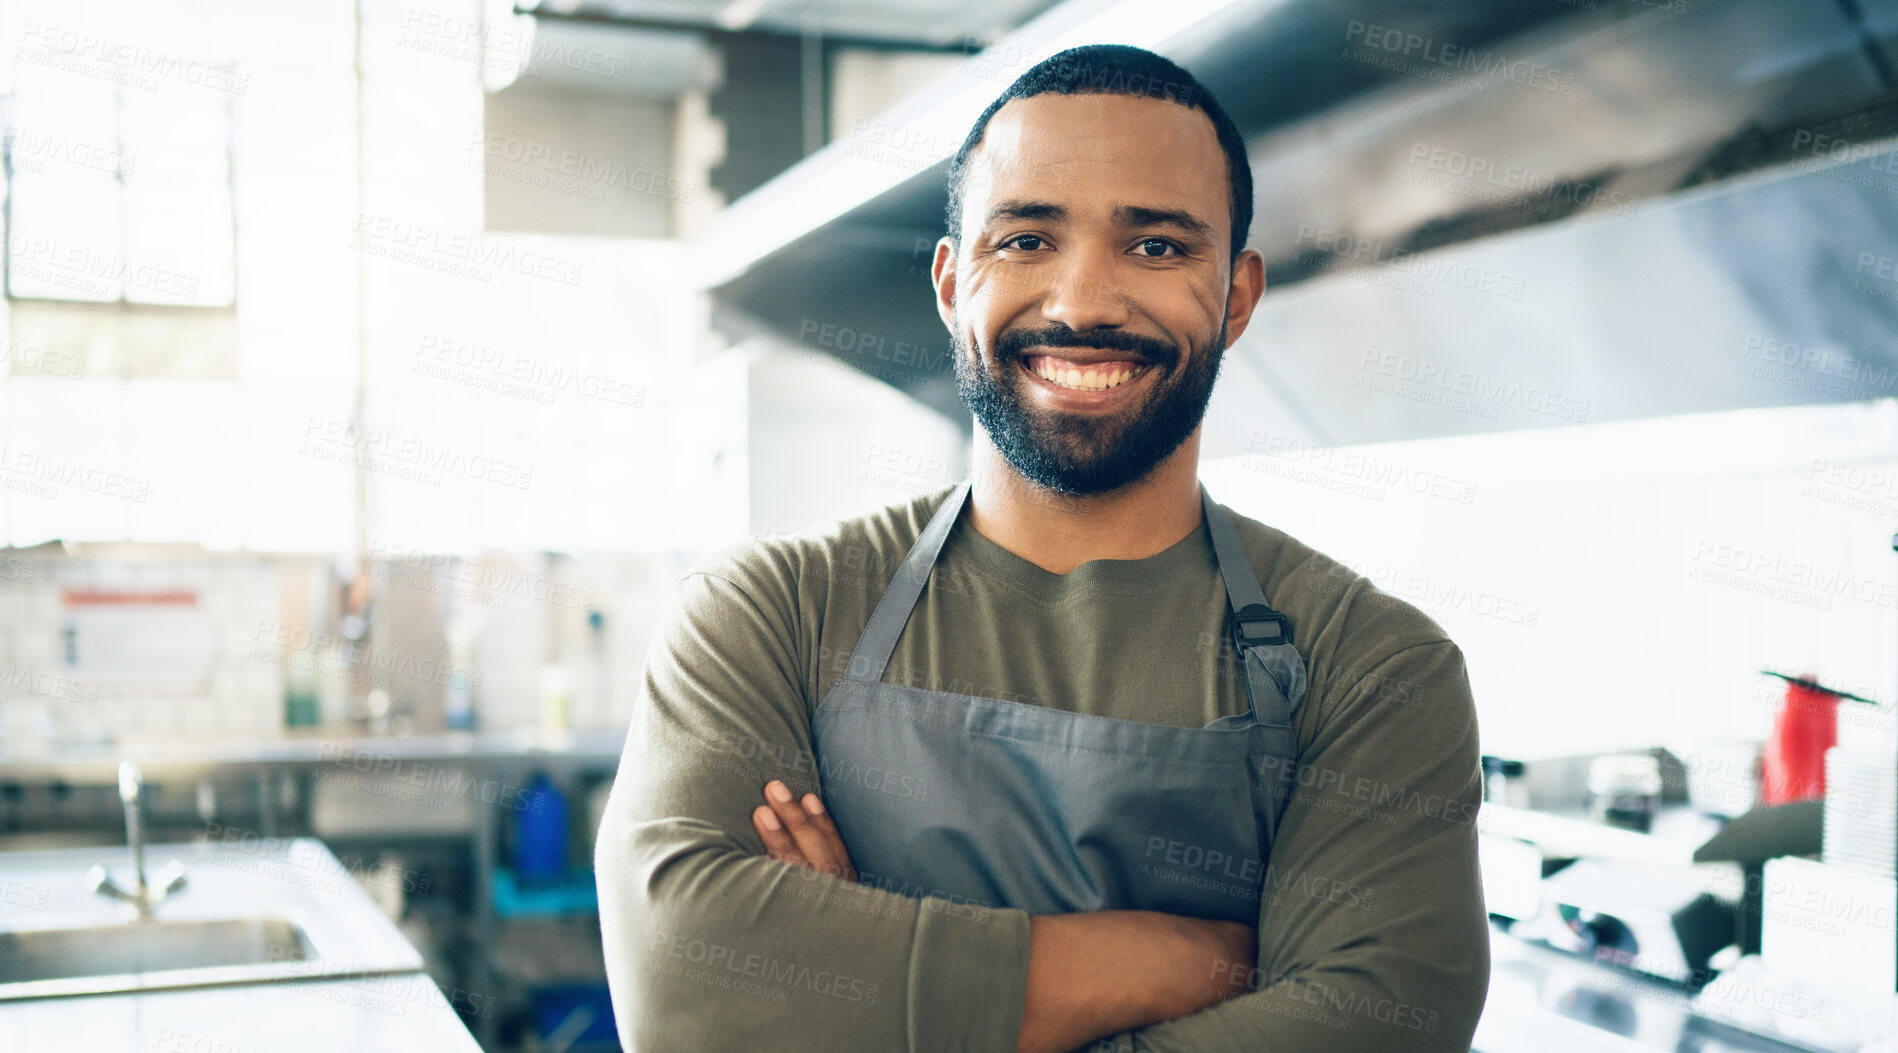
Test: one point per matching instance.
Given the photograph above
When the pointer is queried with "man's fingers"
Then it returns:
(811, 841)
(820, 817)
(777, 841)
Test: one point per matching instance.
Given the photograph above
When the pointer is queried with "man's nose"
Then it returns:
(1083, 292)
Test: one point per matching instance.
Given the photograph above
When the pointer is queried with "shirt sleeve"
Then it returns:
(1373, 934)
(710, 944)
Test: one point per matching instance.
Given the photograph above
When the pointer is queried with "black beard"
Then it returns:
(1080, 455)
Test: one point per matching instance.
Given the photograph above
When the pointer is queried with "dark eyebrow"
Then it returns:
(1136, 216)
(1125, 215)
(1016, 208)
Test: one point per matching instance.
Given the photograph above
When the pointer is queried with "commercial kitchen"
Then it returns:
(375, 372)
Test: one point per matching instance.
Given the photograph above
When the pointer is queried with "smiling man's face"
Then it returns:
(1091, 302)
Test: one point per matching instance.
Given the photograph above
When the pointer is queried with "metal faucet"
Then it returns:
(170, 879)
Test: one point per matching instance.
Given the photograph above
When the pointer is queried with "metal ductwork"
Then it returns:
(1490, 216)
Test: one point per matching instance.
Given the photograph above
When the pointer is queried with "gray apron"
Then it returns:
(1013, 805)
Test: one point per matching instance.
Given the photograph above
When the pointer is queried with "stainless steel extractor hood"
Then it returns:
(1488, 216)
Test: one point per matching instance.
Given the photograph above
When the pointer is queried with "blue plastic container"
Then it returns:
(540, 841)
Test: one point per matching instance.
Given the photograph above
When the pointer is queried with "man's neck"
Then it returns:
(1059, 533)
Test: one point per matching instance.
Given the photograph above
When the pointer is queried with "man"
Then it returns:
(1067, 753)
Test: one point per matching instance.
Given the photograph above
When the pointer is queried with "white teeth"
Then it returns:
(1074, 378)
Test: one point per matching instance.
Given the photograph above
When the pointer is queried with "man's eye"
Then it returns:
(1020, 241)
(1162, 242)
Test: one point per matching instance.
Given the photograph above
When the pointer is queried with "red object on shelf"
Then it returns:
(1793, 767)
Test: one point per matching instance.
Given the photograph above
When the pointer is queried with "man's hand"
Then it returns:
(801, 835)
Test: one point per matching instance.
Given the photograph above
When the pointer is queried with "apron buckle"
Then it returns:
(1256, 625)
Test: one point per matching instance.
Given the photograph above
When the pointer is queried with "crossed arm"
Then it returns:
(1089, 975)
(713, 945)
(1371, 937)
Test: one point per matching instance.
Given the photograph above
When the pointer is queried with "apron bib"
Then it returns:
(1012, 805)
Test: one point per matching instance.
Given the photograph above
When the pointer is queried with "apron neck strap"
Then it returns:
(1254, 622)
(872, 654)
(1261, 636)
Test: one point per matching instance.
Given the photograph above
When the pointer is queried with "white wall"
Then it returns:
(1621, 585)
(828, 442)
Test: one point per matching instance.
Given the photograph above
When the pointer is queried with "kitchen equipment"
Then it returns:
(143, 896)
(1505, 782)
(1750, 841)
(1765, 833)
(1653, 919)
(1831, 924)
(1626, 789)
(1804, 728)
(1723, 775)
(257, 910)
(1861, 811)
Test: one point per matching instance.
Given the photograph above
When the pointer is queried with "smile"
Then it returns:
(1103, 376)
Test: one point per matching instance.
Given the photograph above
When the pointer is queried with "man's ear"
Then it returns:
(1248, 284)
(942, 271)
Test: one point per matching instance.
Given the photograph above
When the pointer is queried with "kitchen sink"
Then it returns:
(148, 947)
(253, 910)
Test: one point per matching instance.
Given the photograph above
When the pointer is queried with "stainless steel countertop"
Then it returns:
(369, 995)
(1545, 1001)
(183, 759)
(382, 1014)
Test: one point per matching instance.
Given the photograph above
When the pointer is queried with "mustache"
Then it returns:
(1014, 342)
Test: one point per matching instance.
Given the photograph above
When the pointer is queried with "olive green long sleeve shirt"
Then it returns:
(1372, 930)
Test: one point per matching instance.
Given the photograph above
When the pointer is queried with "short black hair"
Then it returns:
(1117, 69)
